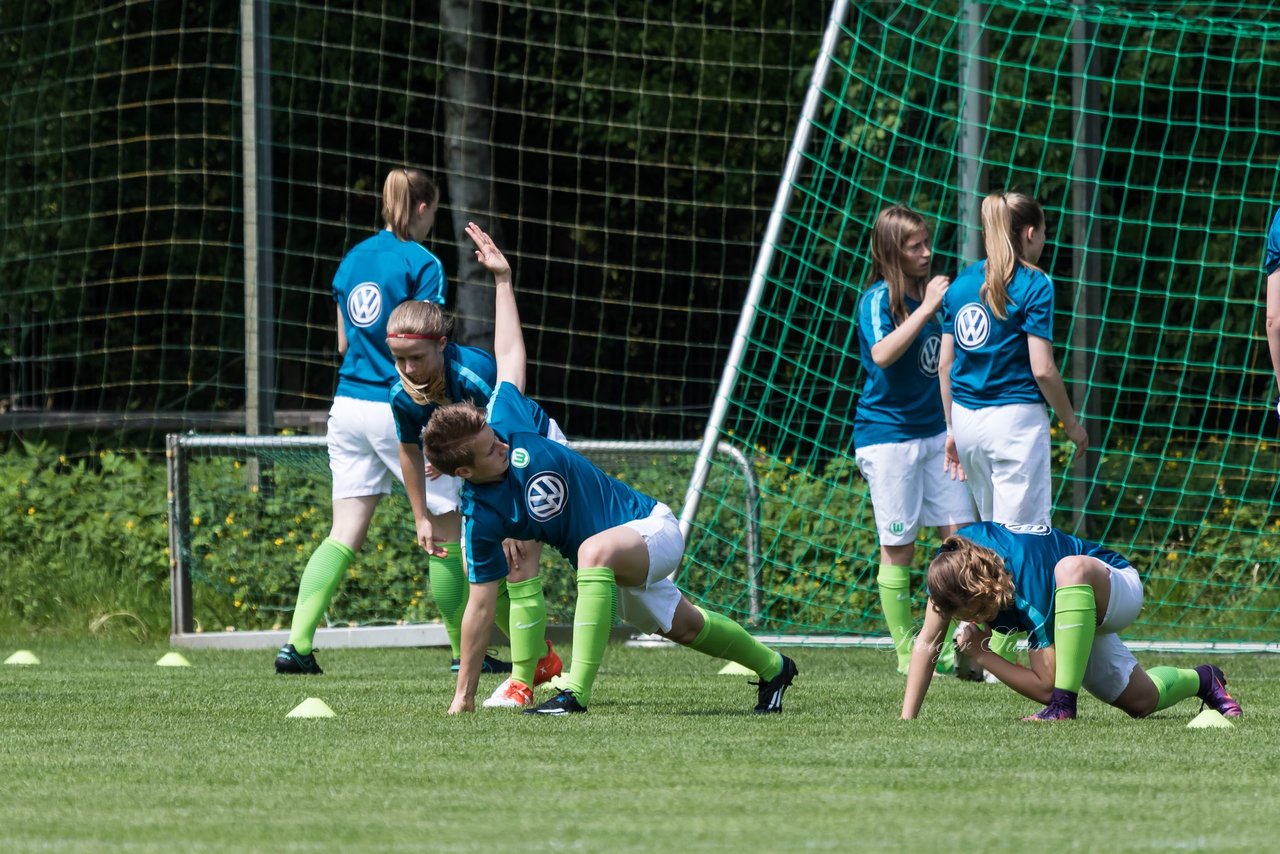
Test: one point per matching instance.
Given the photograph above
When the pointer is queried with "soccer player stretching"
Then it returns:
(1072, 597)
(899, 432)
(523, 486)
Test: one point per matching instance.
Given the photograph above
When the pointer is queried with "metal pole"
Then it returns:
(1085, 258)
(729, 378)
(179, 536)
(259, 273)
(974, 85)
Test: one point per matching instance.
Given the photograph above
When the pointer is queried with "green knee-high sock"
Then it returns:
(528, 628)
(449, 589)
(324, 570)
(1074, 620)
(591, 628)
(1173, 685)
(723, 638)
(1005, 646)
(947, 658)
(895, 602)
(502, 609)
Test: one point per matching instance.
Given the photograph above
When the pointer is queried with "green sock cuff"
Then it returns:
(892, 575)
(704, 631)
(526, 589)
(596, 574)
(1173, 685)
(341, 547)
(1074, 598)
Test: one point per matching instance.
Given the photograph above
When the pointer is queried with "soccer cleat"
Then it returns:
(770, 691)
(289, 660)
(489, 665)
(1062, 707)
(564, 703)
(549, 667)
(510, 695)
(1214, 693)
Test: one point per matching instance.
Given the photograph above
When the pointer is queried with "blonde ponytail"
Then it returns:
(402, 192)
(1004, 216)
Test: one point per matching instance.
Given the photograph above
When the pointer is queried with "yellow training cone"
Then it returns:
(1210, 719)
(22, 656)
(733, 668)
(173, 659)
(312, 707)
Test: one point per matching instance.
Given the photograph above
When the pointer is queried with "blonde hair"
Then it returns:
(402, 192)
(416, 317)
(965, 574)
(893, 228)
(1004, 216)
(446, 440)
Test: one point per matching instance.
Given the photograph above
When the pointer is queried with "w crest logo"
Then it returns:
(929, 355)
(364, 306)
(973, 325)
(546, 495)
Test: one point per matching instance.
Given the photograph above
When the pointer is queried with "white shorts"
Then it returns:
(909, 488)
(364, 450)
(1005, 454)
(651, 606)
(1110, 661)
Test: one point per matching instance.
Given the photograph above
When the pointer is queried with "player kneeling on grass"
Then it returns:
(520, 485)
(1071, 596)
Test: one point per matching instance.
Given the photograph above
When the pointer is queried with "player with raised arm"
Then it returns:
(899, 432)
(435, 371)
(521, 485)
(1071, 597)
(378, 274)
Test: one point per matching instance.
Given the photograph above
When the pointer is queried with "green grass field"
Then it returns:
(102, 750)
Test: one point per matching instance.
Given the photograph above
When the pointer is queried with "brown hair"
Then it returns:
(965, 574)
(1004, 216)
(416, 317)
(446, 440)
(893, 228)
(402, 192)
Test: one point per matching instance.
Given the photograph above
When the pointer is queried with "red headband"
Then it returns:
(415, 336)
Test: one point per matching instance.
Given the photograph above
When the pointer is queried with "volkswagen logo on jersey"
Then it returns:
(364, 306)
(1040, 530)
(972, 326)
(929, 355)
(546, 495)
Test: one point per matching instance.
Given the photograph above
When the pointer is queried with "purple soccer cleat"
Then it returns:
(1062, 707)
(1213, 692)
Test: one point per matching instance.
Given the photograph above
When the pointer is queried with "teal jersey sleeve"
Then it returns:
(1273, 245)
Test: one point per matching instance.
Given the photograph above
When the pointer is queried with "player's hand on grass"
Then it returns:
(427, 539)
(487, 253)
(462, 704)
(951, 460)
(935, 291)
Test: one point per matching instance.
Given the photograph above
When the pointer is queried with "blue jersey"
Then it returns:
(1273, 245)
(375, 277)
(469, 377)
(902, 401)
(992, 363)
(1030, 552)
(549, 493)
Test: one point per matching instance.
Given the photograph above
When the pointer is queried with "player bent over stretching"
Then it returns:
(520, 485)
(1072, 597)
